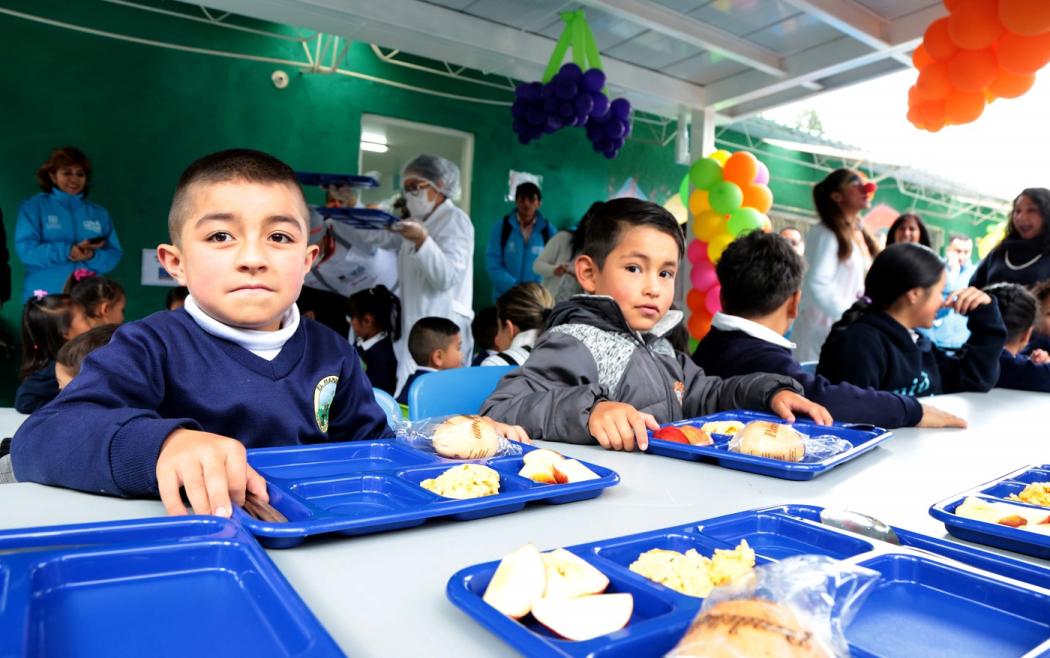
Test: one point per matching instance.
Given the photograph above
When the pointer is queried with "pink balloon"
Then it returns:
(702, 260)
(703, 278)
(762, 174)
(713, 300)
(695, 250)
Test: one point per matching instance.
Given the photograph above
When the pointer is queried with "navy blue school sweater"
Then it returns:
(1020, 373)
(104, 432)
(730, 353)
(403, 398)
(381, 364)
(1038, 342)
(36, 390)
(878, 351)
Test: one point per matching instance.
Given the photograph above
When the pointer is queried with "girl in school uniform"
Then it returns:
(521, 312)
(876, 343)
(1019, 309)
(47, 323)
(375, 317)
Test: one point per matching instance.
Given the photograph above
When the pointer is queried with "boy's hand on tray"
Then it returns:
(213, 469)
(786, 403)
(934, 417)
(619, 426)
(512, 432)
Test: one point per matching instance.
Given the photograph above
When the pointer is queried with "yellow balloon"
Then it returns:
(721, 155)
(767, 224)
(707, 225)
(717, 245)
(992, 238)
(698, 202)
(675, 207)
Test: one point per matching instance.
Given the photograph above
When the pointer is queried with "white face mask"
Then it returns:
(419, 206)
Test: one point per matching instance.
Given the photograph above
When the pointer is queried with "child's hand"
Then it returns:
(512, 432)
(212, 468)
(619, 426)
(967, 299)
(934, 417)
(1039, 357)
(785, 402)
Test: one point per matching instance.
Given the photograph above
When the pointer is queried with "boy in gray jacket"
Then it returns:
(603, 370)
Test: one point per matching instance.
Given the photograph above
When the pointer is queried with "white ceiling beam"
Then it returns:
(853, 20)
(908, 30)
(687, 29)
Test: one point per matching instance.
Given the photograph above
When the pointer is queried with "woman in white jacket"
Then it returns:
(839, 252)
(435, 253)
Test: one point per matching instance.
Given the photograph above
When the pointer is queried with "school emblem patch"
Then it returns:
(679, 392)
(324, 393)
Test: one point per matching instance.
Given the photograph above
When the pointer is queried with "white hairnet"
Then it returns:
(441, 173)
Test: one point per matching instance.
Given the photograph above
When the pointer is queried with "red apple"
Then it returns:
(696, 436)
(570, 576)
(570, 470)
(674, 434)
(586, 617)
(537, 471)
(1014, 521)
(520, 579)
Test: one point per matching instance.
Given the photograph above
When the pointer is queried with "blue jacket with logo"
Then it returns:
(878, 351)
(508, 266)
(48, 226)
(104, 431)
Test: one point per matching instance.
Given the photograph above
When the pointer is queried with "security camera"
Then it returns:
(279, 79)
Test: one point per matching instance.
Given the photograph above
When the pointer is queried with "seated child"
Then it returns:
(761, 276)
(176, 298)
(521, 313)
(484, 328)
(375, 317)
(103, 298)
(175, 399)
(603, 371)
(876, 344)
(435, 344)
(71, 356)
(1019, 310)
(1039, 345)
(48, 321)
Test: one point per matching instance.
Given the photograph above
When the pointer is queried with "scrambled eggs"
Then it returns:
(726, 427)
(464, 481)
(1037, 493)
(982, 510)
(691, 573)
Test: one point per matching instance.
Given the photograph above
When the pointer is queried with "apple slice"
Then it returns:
(569, 576)
(673, 434)
(541, 472)
(519, 580)
(570, 470)
(1014, 521)
(586, 617)
(542, 456)
(695, 435)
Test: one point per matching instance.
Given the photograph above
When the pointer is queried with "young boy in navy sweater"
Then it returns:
(761, 278)
(175, 399)
(435, 344)
(1020, 310)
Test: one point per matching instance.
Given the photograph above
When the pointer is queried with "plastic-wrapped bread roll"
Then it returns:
(746, 628)
(763, 438)
(466, 437)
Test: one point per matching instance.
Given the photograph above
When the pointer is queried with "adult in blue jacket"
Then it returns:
(59, 230)
(517, 240)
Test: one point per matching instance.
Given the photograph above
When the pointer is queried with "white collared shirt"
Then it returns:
(365, 345)
(727, 322)
(265, 344)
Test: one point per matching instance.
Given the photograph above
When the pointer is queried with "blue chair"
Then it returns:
(389, 406)
(455, 391)
(809, 367)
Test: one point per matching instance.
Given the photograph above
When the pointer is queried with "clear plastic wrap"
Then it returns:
(796, 608)
(780, 441)
(457, 437)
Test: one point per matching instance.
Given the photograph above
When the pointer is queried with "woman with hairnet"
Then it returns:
(435, 253)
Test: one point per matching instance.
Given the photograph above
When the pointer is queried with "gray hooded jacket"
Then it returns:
(589, 354)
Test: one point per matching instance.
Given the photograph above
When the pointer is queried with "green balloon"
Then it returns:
(725, 197)
(683, 191)
(744, 220)
(705, 173)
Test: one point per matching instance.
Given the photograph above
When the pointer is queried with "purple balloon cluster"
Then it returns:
(572, 98)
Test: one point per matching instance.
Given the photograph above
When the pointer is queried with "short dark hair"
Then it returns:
(528, 190)
(758, 272)
(64, 156)
(1018, 307)
(606, 226)
(382, 304)
(93, 291)
(1041, 291)
(176, 294)
(429, 334)
(72, 354)
(484, 327)
(232, 164)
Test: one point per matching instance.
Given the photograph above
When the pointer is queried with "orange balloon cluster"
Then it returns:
(983, 50)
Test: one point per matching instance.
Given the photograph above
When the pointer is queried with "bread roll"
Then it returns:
(763, 438)
(466, 437)
(756, 628)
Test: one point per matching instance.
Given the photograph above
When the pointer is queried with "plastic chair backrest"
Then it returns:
(455, 391)
(389, 406)
(809, 367)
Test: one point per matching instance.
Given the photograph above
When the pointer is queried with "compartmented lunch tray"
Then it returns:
(862, 437)
(353, 180)
(360, 487)
(186, 586)
(934, 598)
(1030, 542)
(367, 218)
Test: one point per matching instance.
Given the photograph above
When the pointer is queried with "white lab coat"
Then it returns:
(831, 286)
(437, 280)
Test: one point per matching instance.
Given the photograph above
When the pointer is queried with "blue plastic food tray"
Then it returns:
(863, 438)
(926, 603)
(370, 486)
(367, 218)
(191, 586)
(994, 534)
(311, 178)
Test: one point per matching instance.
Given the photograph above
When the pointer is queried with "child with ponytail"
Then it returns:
(47, 323)
(375, 317)
(103, 298)
(1019, 309)
(876, 343)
